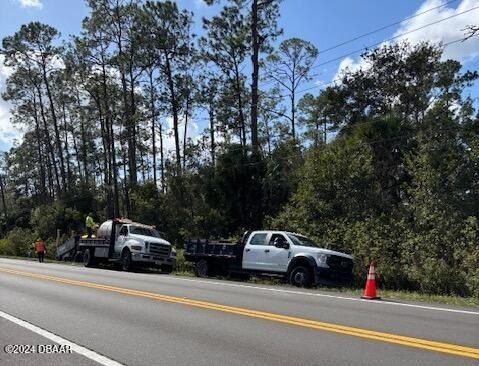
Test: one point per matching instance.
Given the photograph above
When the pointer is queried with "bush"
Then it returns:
(437, 277)
(18, 242)
(181, 264)
(4, 247)
(47, 219)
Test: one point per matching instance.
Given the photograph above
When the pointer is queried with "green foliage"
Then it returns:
(335, 182)
(397, 182)
(147, 203)
(281, 176)
(18, 242)
(182, 265)
(234, 188)
(46, 219)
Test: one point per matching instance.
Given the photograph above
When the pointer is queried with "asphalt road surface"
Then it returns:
(110, 317)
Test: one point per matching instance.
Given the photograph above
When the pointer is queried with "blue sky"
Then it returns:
(324, 23)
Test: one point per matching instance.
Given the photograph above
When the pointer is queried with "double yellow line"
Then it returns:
(451, 349)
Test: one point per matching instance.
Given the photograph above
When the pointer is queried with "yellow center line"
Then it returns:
(448, 348)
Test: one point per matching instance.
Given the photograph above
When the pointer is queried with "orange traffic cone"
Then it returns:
(370, 289)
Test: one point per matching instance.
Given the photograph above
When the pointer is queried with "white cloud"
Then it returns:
(8, 133)
(169, 137)
(346, 65)
(200, 4)
(447, 31)
(349, 65)
(112, 73)
(31, 3)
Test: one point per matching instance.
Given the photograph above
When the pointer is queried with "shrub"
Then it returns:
(18, 242)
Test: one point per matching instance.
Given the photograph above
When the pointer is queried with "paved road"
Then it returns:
(151, 319)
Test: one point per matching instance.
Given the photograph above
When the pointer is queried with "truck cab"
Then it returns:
(296, 256)
(141, 244)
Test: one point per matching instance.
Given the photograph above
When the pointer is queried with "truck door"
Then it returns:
(120, 240)
(254, 252)
(278, 254)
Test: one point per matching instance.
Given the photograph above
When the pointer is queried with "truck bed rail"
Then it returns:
(206, 248)
(97, 242)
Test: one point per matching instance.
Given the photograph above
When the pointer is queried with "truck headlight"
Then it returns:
(322, 258)
(136, 247)
(173, 252)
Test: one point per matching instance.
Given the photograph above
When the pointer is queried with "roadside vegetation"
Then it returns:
(382, 164)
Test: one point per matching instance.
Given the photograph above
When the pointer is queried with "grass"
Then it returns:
(186, 270)
(421, 297)
(392, 295)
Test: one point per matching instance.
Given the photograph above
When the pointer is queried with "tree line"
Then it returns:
(381, 163)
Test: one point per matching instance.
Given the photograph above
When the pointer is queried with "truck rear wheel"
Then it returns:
(88, 259)
(201, 268)
(300, 276)
(166, 269)
(126, 260)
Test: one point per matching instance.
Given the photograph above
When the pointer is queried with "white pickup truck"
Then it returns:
(282, 253)
(123, 241)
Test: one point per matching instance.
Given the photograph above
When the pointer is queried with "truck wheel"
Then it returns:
(126, 260)
(166, 269)
(77, 256)
(88, 260)
(300, 276)
(201, 268)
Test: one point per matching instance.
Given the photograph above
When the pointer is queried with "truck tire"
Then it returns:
(126, 260)
(77, 257)
(88, 259)
(300, 276)
(166, 269)
(201, 268)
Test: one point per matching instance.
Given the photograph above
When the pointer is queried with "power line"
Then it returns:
(386, 40)
(393, 38)
(336, 81)
(385, 27)
(281, 96)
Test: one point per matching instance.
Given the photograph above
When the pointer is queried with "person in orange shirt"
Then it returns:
(40, 249)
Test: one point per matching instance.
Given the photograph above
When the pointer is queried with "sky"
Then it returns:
(324, 23)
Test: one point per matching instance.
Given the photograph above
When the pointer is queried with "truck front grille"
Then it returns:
(159, 249)
(340, 264)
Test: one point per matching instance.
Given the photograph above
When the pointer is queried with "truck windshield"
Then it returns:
(146, 231)
(302, 240)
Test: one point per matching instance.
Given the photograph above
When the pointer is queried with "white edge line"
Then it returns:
(376, 302)
(92, 355)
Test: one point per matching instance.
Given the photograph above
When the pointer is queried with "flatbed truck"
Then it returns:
(268, 252)
(121, 241)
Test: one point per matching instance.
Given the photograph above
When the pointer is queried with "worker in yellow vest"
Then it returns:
(90, 224)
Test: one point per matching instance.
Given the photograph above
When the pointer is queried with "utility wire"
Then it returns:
(385, 27)
(395, 37)
(386, 40)
(333, 82)
(336, 81)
